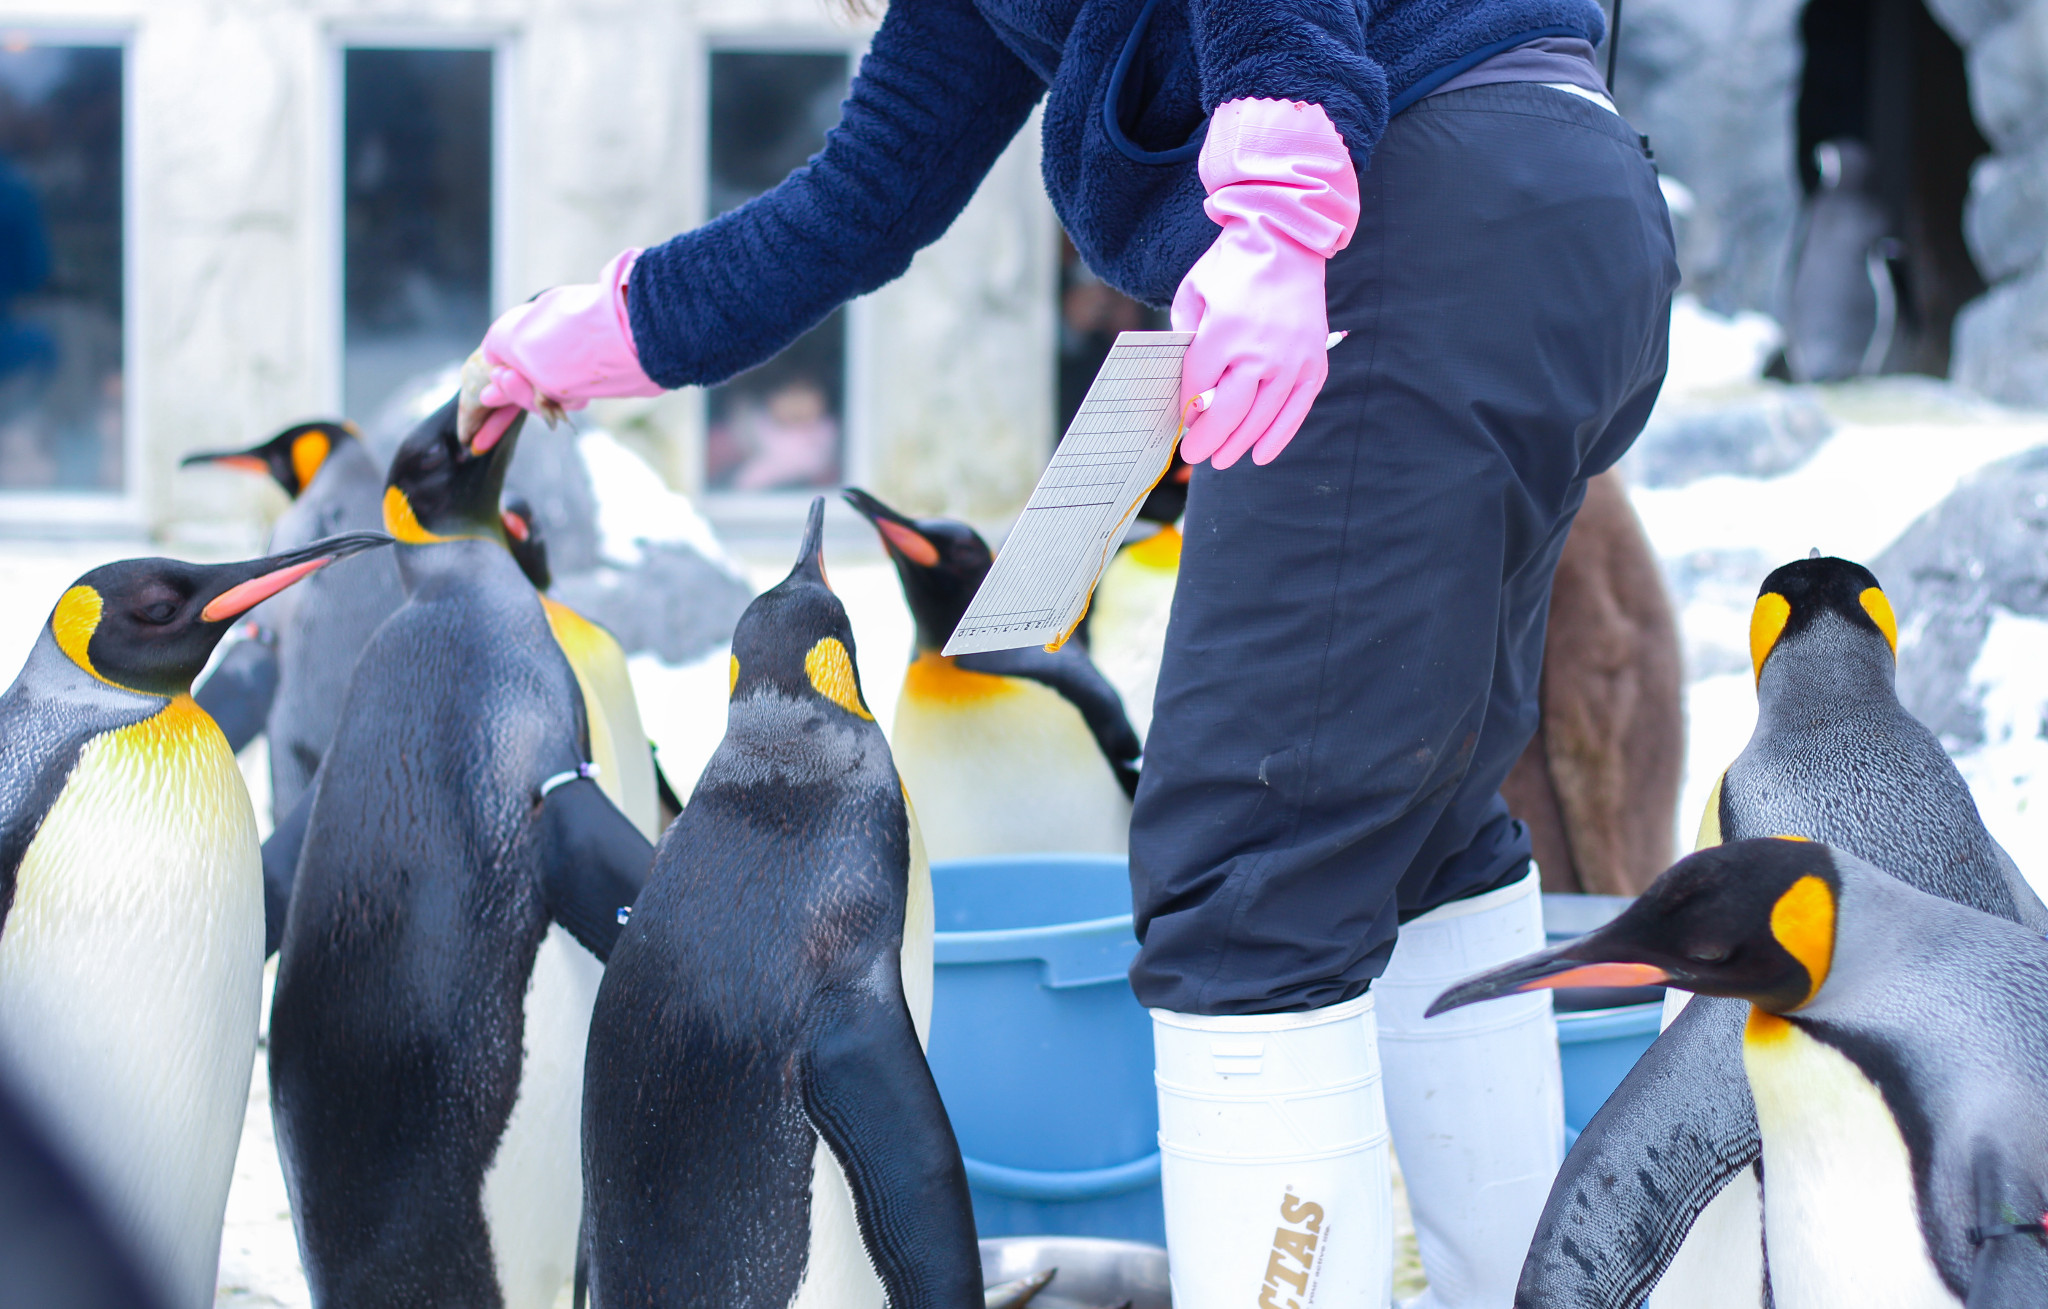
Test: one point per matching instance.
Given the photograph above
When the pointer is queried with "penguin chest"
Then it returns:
(131, 971)
(1132, 605)
(533, 1190)
(1004, 765)
(625, 766)
(1841, 1221)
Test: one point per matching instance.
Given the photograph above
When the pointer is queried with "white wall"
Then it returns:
(234, 260)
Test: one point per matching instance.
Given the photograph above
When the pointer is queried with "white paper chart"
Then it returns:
(1115, 451)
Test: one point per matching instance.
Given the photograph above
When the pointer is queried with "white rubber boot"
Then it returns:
(1274, 1144)
(1475, 1100)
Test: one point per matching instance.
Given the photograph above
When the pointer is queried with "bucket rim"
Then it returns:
(1025, 935)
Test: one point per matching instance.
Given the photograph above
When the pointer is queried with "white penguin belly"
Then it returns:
(533, 1191)
(1007, 769)
(1841, 1224)
(1720, 1263)
(131, 968)
(1132, 604)
(837, 1271)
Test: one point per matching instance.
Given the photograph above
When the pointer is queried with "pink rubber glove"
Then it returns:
(1283, 188)
(560, 350)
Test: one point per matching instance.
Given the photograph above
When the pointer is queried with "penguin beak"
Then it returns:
(810, 556)
(899, 534)
(241, 459)
(250, 584)
(515, 526)
(1562, 966)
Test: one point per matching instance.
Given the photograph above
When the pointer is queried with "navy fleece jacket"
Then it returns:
(947, 84)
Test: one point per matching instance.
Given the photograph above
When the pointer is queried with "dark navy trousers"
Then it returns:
(1352, 663)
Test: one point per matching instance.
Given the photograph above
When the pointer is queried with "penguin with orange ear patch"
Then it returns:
(1011, 751)
(1896, 1046)
(1662, 1190)
(456, 893)
(131, 898)
(286, 675)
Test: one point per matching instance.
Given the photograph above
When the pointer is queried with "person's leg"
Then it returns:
(1334, 709)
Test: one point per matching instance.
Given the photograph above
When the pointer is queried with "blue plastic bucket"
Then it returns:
(1042, 1053)
(1596, 1046)
(1044, 1056)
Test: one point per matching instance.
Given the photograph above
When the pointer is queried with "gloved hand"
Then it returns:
(560, 350)
(1283, 188)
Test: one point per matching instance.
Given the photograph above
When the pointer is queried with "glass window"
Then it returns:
(779, 427)
(416, 241)
(60, 266)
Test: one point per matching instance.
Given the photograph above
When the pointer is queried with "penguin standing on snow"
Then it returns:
(759, 1124)
(1662, 1190)
(1009, 751)
(1841, 309)
(1896, 1045)
(458, 887)
(286, 676)
(131, 900)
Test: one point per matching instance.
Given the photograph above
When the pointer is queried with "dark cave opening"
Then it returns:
(1885, 73)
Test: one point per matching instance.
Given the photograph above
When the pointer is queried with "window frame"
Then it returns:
(329, 304)
(747, 513)
(79, 513)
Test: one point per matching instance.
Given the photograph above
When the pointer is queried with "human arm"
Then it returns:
(937, 98)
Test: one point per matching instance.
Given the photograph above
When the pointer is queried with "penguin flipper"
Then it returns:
(281, 869)
(870, 1094)
(1077, 679)
(2009, 1272)
(238, 692)
(597, 861)
(1665, 1143)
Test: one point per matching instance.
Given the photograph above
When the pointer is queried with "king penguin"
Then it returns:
(1012, 751)
(759, 1124)
(1126, 620)
(286, 676)
(1896, 1046)
(131, 899)
(458, 887)
(1661, 1194)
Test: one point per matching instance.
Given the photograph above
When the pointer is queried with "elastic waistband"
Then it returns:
(1532, 99)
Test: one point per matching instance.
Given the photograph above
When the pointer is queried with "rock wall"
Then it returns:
(2002, 338)
(1713, 84)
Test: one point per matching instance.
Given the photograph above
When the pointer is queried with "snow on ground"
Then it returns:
(1898, 447)
(2009, 772)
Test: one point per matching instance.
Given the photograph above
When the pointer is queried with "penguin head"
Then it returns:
(1752, 919)
(794, 640)
(940, 561)
(292, 458)
(440, 488)
(523, 538)
(150, 625)
(1822, 605)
